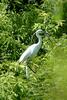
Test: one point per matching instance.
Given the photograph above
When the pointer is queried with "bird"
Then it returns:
(32, 50)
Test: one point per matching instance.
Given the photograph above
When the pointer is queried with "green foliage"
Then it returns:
(18, 21)
(14, 86)
(65, 16)
(58, 59)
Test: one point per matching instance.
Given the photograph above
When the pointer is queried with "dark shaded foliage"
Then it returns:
(65, 17)
(19, 19)
(20, 5)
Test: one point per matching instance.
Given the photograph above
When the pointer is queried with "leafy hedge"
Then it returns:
(16, 30)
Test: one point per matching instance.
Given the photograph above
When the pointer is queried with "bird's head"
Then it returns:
(41, 32)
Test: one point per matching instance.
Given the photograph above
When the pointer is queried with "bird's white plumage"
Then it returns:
(33, 49)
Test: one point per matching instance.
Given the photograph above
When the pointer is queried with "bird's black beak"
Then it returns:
(44, 33)
(47, 34)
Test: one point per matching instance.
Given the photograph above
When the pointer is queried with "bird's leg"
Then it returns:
(17, 71)
(29, 66)
(32, 70)
(27, 72)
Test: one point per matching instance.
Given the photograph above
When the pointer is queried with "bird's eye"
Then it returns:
(41, 33)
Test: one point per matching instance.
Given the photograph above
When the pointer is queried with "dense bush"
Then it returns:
(18, 21)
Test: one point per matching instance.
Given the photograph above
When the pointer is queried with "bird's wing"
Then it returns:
(26, 54)
(31, 51)
(35, 49)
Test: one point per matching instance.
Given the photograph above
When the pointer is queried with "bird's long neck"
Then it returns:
(39, 40)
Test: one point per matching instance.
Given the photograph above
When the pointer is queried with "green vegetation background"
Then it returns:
(19, 19)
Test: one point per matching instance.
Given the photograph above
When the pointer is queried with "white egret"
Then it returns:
(32, 50)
